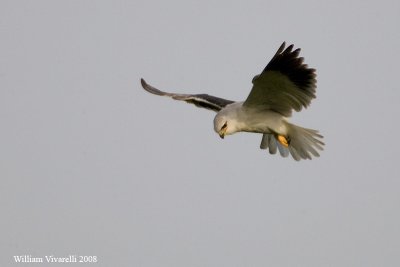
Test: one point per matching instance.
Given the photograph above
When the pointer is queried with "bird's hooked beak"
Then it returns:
(222, 134)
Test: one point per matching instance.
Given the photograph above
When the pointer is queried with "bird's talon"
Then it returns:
(283, 140)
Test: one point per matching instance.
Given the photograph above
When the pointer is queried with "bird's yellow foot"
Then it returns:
(283, 140)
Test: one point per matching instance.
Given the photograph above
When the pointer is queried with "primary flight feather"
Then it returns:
(286, 84)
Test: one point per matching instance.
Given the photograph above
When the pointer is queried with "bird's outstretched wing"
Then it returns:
(284, 85)
(200, 100)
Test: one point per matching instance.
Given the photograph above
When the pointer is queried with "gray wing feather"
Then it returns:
(200, 100)
(285, 84)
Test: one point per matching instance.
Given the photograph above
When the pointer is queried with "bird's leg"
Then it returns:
(284, 140)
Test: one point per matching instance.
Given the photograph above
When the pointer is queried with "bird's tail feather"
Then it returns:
(303, 142)
(269, 141)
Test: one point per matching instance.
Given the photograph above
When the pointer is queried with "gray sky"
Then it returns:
(90, 164)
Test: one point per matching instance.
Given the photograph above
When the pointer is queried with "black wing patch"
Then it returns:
(199, 100)
(290, 64)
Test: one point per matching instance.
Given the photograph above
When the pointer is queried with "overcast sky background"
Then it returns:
(91, 164)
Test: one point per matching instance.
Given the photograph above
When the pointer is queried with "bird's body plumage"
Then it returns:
(249, 119)
(286, 84)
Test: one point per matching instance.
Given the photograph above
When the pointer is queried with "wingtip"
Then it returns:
(281, 48)
(289, 48)
(151, 89)
(143, 82)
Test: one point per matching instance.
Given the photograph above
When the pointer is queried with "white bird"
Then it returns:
(284, 85)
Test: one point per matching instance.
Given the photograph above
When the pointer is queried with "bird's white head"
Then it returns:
(224, 125)
(221, 125)
(227, 121)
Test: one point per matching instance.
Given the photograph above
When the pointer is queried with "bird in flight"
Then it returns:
(286, 84)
